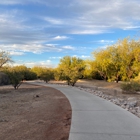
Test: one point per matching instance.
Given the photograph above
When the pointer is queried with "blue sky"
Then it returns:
(41, 32)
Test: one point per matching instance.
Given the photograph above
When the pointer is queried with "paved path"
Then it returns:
(94, 118)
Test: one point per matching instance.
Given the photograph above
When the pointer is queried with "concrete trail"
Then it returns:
(94, 118)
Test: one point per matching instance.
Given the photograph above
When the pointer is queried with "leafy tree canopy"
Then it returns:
(119, 61)
(71, 69)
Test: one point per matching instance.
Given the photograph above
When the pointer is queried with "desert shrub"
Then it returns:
(132, 86)
(136, 85)
(16, 78)
(126, 86)
(4, 79)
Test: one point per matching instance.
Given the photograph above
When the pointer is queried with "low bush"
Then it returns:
(4, 79)
(132, 86)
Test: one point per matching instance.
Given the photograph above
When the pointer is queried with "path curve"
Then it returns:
(94, 118)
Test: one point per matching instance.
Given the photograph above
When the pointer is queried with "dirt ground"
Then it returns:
(42, 113)
(33, 113)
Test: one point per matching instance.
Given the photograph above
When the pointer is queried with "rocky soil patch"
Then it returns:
(130, 102)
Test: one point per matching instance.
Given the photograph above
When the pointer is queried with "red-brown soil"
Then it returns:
(34, 113)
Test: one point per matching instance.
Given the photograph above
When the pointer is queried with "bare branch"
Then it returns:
(4, 58)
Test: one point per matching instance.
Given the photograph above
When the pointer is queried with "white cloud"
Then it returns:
(33, 31)
(84, 56)
(53, 20)
(107, 14)
(35, 28)
(12, 18)
(20, 49)
(68, 47)
(81, 56)
(34, 48)
(82, 17)
(88, 31)
(55, 57)
(131, 27)
(60, 38)
(47, 63)
(16, 53)
(105, 41)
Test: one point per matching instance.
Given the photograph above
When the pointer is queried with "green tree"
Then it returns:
(26, 72)
(38, 70)
(58, 74)
(47, 75)
(119, 61)
(129, 51)
(114, 64)
(17, 74)
(16, 77)
(71, 69)
(102, 63)
(90, 71)
(43, 73)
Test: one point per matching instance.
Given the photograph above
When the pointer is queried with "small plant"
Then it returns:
(132, 86)
(126, 86)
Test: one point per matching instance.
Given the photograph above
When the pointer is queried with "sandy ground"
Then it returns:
(33, 113)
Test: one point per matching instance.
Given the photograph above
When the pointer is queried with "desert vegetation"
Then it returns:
(118, 62)
(70, 69)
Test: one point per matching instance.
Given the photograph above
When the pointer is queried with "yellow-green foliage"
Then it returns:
(137, 78)
(71, 69)
(120, 61)
(43, 73)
